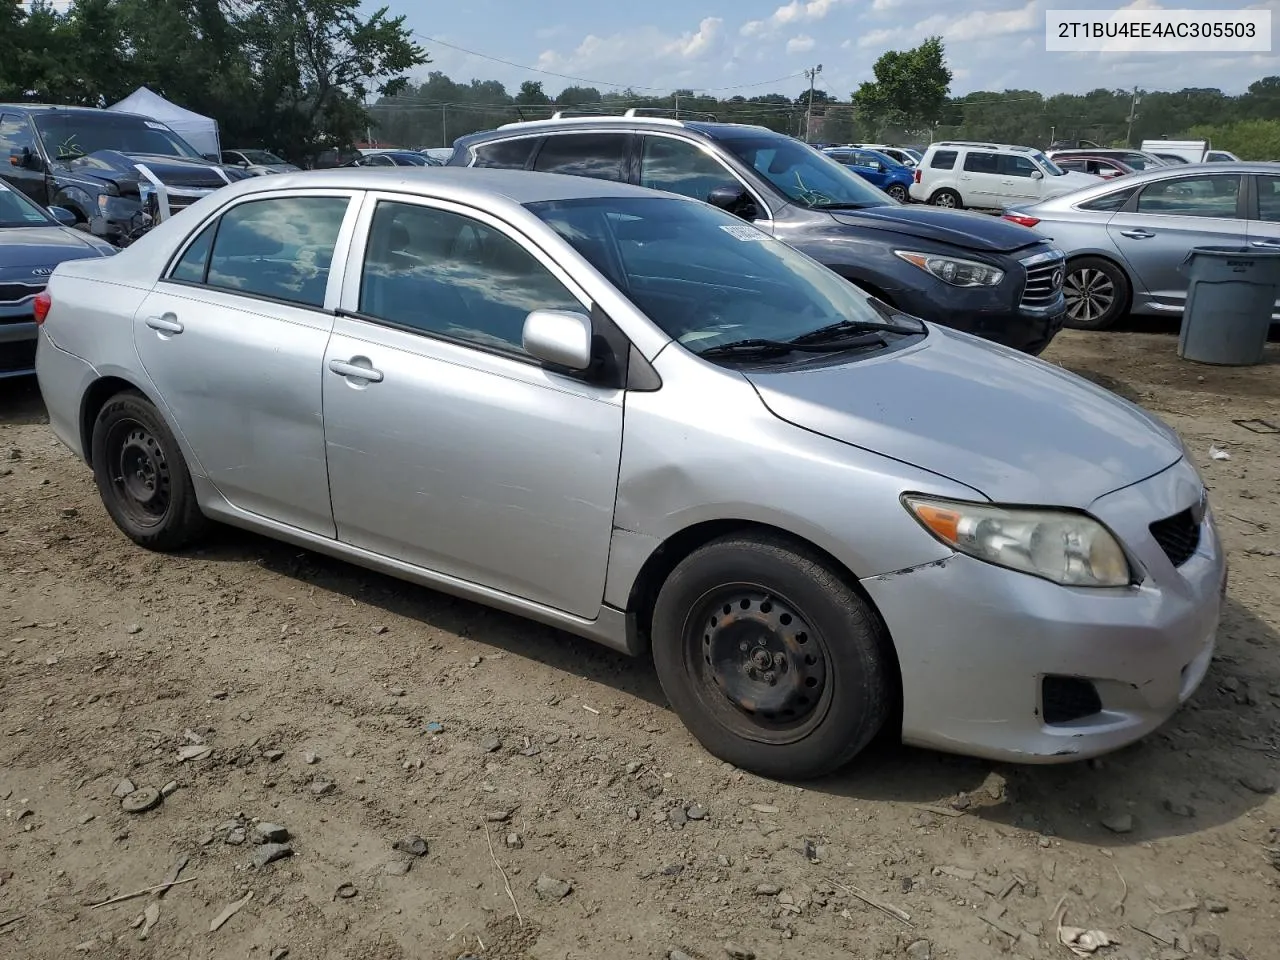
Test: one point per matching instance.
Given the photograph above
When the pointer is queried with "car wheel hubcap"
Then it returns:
(1089, 293)
(140, 473)
(945, 200)
(897, 193)
(758, 658)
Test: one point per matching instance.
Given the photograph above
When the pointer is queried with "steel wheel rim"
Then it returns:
(944, 200)
(141, 481)
(758, 664)
(1090, 295)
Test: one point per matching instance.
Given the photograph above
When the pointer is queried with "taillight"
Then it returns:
(917, 174)
(1024, 221)
(41, 305)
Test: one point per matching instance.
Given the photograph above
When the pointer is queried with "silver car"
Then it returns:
(1127, 240)
(634, 417)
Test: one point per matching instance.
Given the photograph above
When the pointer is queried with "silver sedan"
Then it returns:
(1127, 240)
(637, 418)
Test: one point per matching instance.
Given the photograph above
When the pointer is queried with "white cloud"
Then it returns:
(880, 6)
(801, 44)
(636, 55)
(795, 12)
(881, 38)
(974, 25)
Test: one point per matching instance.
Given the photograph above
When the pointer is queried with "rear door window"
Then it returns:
(1109, 202)
(601, 156)
(505, 154)
(1207, 196)
(977, 161)
(943, 160)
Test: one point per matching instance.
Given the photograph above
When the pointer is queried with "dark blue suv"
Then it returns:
(965, 270)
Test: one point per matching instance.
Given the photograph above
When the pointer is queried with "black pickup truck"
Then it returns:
(95, 163)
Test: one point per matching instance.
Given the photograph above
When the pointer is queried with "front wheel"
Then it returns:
(898, 192)
(141, 475)
(771, 660)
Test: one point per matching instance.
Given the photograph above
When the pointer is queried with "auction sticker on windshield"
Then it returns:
(743, 232)
(155, 126)
(1155, 30)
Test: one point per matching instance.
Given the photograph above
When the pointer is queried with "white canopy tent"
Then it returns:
(200, 132)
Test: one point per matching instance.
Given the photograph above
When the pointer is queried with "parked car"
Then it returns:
(903, 155)
(877, 169)
(820, 517)
(1137, 159)
(87, 161)
(1108, 168)
(390, 158)
(989, 176)
(440, 154)
(32, 242)
(257, 162)
(334, 157)
(1188, 151)
(1127, 240)
(953, 269)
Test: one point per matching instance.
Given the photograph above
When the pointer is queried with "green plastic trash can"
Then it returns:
(1230, 299)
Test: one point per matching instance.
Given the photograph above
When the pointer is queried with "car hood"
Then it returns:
(173, 171)
(1016, 429)
(25, 247)
(961, 228)
(1073, 180)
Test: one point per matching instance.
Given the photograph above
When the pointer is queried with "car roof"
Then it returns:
(1140, 177)
(59, 108)
(984, 145)
(713, 130)
(465, 184)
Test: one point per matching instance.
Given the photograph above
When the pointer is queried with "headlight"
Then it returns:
(1059, 545)
(952, 270)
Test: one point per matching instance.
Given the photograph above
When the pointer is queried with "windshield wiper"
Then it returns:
(836, 332)
(761, 349)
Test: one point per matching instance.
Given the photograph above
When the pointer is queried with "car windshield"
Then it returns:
(708, 278)
(411, 160)
(69, 134)
(804, 175)
(1053, 169)
(260, 156)
(17, 211)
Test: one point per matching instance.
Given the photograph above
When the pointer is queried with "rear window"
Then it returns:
(505, 154)
(1109, 201)
(944, 160)
(976, 161)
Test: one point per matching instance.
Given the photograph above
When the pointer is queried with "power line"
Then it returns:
(594, 83)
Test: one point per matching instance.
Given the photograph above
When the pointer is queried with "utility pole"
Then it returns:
(444, 124)
(677, 96)
(1133, 115)
(812, 75)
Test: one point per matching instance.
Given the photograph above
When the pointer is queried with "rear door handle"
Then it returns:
(1269, 244)
(166, 324)
(1137, 234)
(356, 371)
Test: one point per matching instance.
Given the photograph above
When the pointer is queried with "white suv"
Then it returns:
(990, 176)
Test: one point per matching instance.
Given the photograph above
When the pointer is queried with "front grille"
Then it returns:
(11, 293)
(16, 357)
(1044, 279)
(1069, 698)
(1178, 536)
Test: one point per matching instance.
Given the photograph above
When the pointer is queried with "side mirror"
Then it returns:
(733, 200)
(63, 216)
(559, 337)
(21, 157)
(1037, 175)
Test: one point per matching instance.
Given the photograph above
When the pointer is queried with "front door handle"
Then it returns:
(1268, 244)
(1137, 234)
(166, 324)
(355, 370)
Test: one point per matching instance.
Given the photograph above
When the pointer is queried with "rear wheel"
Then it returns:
(947, 198)
(771, 660)
(141, 475)
(897, 191)
(1097, 293)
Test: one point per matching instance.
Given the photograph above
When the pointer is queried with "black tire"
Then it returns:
(898, 192)
(830, 691)
(947, 198)
(1097, 293)
(141, 475)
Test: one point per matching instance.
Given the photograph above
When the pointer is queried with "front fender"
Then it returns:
(76, 199)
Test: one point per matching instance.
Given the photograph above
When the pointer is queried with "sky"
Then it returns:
(748, 47)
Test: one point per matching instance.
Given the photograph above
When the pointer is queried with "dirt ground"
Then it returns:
(566, 814)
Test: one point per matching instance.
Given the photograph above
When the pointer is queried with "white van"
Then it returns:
(1188, 151)
(990, 176)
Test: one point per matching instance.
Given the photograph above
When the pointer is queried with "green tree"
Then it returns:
(531, 94)
(910, 87)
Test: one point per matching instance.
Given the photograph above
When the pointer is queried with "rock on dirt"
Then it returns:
(551, 889)
(270, 853)
(264, 832)
(1120, 823)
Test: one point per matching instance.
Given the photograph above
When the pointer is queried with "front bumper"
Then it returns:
(986, 313)
(975, 641)
(17, 346)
